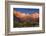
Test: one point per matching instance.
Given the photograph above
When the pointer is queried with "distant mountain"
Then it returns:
(34, 17)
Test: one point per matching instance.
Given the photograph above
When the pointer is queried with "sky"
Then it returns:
(27, 10)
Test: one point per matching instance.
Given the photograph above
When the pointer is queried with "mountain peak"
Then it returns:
(25, 17)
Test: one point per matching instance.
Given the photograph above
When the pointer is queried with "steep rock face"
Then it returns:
(34, 17)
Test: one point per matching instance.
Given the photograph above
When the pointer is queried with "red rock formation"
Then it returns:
(34, 16)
